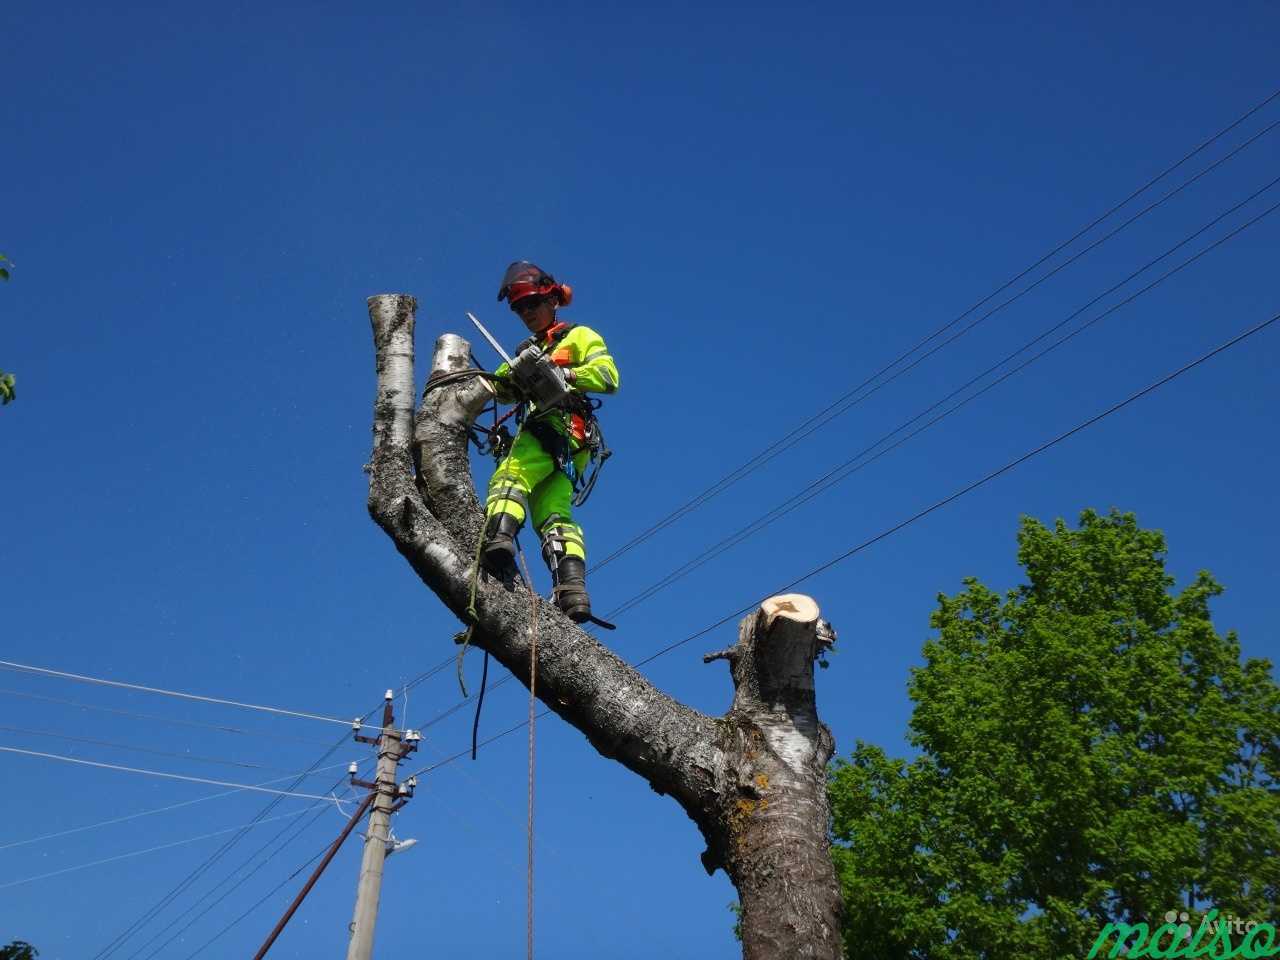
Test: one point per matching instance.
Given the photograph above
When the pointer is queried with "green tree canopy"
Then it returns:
(19, 950)
(1091, 749)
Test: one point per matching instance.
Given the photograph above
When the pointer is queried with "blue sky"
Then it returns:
(756, 207)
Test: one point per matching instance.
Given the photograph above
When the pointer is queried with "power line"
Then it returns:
(822, 417)
(167, 776)
(186, 882)
(480, 785)
(261, 900)
(845, 469)
(826, 414)
(126, 746)
(152, 912)
(798, 433)
(840, 472)
(742, 611)
(483, 743)
(166, 809)
(422, 677)
(155, 909)
(1257, 328)
(266, 896)
(427, 674)
(154, 718)
(843, 403)
(27, 668)
(301, 828)
(449, 711)
(163, 846)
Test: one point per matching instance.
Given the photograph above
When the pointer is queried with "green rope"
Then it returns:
(472, 614)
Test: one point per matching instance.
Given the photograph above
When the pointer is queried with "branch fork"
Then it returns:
(753, 780)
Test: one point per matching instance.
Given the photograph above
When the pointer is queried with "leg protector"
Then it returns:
(568, 572)
(498, 553)
(570, 591)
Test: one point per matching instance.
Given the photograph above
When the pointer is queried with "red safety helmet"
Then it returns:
(525, 279)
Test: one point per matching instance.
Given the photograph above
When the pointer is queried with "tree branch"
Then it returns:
(433, 520)
(440, 442)
(753, 781)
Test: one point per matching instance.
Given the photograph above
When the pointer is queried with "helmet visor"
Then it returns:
(524, 278)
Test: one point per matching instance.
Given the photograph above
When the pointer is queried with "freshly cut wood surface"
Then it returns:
(793, 606)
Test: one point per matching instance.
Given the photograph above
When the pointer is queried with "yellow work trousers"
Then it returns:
(528, 484)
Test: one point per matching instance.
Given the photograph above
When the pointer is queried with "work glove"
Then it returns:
(505, 389)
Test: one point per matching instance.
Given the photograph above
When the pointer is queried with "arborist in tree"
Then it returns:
(543, 475)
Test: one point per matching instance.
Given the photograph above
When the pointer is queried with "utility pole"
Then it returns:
(388, 797)
(315, 875)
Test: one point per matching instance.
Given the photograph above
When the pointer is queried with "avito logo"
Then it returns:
(1212, 940)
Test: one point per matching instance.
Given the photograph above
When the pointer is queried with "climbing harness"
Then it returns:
(559, 447)
(599, 453)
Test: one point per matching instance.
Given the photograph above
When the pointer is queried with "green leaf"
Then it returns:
(1090, 749)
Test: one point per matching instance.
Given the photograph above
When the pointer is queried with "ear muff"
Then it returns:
(566, 294)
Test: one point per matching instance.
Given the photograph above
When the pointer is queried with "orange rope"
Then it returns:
(533, 686)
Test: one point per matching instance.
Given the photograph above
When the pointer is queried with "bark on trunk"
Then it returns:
(753, 781)
(779, 855)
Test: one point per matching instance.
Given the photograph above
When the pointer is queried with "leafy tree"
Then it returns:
(19, 950)
(1091, 749)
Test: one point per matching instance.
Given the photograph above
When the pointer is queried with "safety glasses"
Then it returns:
(527, 304)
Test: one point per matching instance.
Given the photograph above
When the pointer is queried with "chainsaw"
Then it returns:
(532, 371)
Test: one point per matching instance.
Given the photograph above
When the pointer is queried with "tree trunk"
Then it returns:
(754, 781)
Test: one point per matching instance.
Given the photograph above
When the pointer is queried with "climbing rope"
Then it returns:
(533, 688)
(472, 615)
(438, 379)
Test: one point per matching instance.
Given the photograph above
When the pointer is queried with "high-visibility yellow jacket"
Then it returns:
(588, 367)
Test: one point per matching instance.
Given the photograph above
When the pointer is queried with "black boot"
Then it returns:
(570, 579)
(498, 554)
